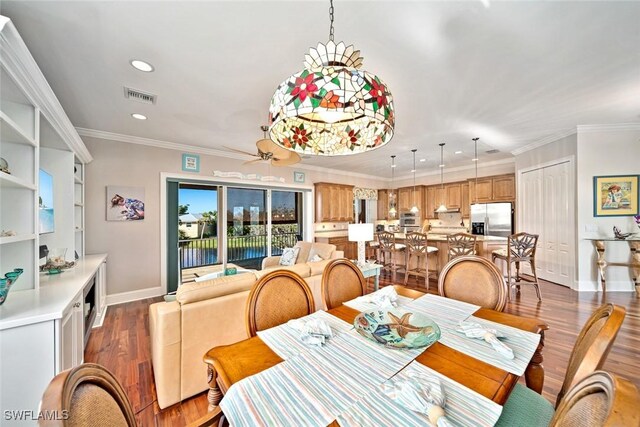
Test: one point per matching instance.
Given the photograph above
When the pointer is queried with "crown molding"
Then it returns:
(544, 141)
(609, 128)
(168, 145)
(19, 63)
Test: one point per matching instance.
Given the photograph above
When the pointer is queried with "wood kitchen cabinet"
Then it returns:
(383, 204)
(404, 199)
(334, 202)
(453, 196)
(343, 244)
(430, 202)
(504, 188)
(465, 209)
(500, 188)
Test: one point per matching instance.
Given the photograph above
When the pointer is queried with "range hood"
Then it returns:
(449, 210)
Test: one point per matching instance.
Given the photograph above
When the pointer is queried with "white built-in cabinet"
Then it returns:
(43, 322)
(546, 206)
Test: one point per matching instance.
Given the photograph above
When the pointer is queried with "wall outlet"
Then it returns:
(591, 228)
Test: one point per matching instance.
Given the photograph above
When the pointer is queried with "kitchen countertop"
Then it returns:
(329, 234)
(439, 237)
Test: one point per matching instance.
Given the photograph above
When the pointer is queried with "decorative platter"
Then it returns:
(397, 328)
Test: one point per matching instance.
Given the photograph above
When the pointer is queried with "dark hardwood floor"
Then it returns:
(122, 345)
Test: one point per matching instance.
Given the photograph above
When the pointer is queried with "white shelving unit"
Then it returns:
(19, 146)
(78, 207)
(35, 134)
(42, 322)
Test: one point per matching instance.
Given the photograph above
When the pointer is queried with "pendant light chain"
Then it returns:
(414, 208)
(475, 159)
(331, 19)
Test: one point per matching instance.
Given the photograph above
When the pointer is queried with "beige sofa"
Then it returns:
(212, 313)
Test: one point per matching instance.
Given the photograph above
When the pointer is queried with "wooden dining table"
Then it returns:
(231, 363)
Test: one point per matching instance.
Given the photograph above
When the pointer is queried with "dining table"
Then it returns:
(229, 364)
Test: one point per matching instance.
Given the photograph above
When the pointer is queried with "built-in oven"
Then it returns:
(410, 219)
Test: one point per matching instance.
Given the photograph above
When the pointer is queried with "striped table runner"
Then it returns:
(442, 310)
(313, 387)
(361, 305)
(285, 341)
(447, 313)
(463, 407)
(523, 344)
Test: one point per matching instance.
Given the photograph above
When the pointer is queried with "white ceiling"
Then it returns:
(511, 73)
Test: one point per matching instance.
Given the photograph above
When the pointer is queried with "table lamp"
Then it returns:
(361, 233)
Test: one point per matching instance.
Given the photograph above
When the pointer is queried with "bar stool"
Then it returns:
(373, 249)
(388, 250)
(521, 247)
(461, 244)
(418, 248)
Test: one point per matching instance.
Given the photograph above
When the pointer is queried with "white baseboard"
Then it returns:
(134, 295)
(612, 286)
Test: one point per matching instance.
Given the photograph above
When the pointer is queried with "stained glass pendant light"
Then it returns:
(392, 201)
(442, 207)
(332, 107)
(414, 208)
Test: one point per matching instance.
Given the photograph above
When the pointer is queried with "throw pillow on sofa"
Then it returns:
(315, 258)
(289, 256)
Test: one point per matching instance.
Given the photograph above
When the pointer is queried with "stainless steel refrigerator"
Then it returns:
(492, 219)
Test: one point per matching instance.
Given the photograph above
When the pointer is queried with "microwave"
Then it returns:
(410, 219)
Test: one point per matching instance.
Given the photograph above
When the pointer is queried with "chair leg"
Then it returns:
(426, 271)
(509, 278)
(406, 272)
(535, 278)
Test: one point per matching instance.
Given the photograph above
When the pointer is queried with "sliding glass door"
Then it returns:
(198, 229)
(286, 219)
(247, 239)
(218, 224)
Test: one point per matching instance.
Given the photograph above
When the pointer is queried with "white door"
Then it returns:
(546, 205)
(531, 208)
(559, 224)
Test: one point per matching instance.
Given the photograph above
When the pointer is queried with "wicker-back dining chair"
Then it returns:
(276, 298)
(460, 244)
(342, 281)
(521, 247)
(475, 280)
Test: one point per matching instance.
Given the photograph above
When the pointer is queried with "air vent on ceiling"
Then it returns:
(140, 96)
(494, 151)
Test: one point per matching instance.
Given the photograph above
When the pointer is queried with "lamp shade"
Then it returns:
(331, 107)
(360, 232)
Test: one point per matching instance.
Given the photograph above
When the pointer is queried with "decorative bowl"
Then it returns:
(397, 328)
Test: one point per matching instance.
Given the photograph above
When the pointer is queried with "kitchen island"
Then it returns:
(484, 246)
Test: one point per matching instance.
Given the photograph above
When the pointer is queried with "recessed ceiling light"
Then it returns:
(423, 160)
(141, 65)
(458, 152)
(441, 166)
(393, 166)
(139, 116)
(474, 160)
(413, 170)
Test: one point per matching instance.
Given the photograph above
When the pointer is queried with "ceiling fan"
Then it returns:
(270, 152)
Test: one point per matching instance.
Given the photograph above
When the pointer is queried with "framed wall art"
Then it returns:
(298, 177)
(190, 162)
(615, 195)
(125, 203)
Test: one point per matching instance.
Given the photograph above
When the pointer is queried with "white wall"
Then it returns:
(564, 147)
(59, 164)
(134, 247)
(606, 152)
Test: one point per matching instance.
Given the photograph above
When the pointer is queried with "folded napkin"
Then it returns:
(385, 297)
(313, 332)
(476, 330)
(422, 393)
